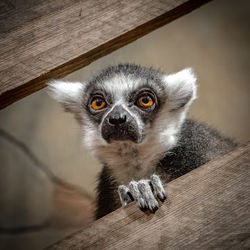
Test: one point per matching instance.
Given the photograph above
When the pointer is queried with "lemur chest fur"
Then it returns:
(128, 162)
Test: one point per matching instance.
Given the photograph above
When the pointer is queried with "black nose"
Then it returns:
(117, 119)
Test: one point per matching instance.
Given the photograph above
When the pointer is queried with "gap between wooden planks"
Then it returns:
(44, 39)
(208, 208)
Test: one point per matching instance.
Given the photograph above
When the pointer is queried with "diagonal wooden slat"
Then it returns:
(208, 208)
(47, 39)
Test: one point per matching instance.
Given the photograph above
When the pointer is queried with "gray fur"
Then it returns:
(144, 192)
(157, 187)
(124, 194)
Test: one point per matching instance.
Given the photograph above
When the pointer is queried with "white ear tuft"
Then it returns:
(61, 90)
(181, 88)
(67, 93)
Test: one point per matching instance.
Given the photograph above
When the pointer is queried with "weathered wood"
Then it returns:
(47, 39)
(208, 208)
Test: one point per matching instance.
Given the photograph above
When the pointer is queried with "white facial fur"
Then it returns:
(127, 159)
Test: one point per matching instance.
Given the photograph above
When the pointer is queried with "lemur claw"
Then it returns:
(144, 192)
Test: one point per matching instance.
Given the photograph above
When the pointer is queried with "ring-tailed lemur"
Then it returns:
(133, 121)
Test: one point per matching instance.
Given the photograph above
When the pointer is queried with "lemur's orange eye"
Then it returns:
(145, 101)
(98, 103)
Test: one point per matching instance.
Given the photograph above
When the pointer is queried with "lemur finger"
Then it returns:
(124, 195)
(133, 188)
(147, 194)
(158, 188)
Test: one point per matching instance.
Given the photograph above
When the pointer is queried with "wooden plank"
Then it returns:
(208, 208)
(47, 39)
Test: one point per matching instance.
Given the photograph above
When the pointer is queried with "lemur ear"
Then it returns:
(69, 94)
(181, 88)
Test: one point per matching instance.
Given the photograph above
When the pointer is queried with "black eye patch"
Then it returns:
(142, 97)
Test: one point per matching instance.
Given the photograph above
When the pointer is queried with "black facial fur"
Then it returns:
(120, 125)
(146, 114)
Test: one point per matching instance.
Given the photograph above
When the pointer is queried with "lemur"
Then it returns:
(133, 121)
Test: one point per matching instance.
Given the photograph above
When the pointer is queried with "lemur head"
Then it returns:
(128, 103)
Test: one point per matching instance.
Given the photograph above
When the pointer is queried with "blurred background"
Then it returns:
(48, 180)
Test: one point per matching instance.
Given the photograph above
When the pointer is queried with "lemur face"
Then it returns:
(122, 118)
(127, 103)
(122, 106)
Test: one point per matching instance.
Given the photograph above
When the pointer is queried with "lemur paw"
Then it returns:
(144, 192)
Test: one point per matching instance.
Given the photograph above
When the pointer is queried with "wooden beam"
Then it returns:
(46, 39)
(208, 208)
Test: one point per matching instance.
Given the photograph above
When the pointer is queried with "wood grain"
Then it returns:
(40, 40)
(208, 208)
